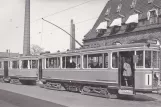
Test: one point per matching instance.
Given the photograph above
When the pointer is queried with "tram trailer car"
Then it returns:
(99, 71)
(22, 69)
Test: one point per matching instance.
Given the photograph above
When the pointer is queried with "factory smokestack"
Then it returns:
(26, 39)
(72, 32)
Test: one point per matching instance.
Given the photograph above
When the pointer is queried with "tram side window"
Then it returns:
(85, 61)
(114, 60)
(34, 64)
(15, 64)
(139, 64)
(105, 60)
(53, 62)
(71, 62)
(24, 63)
(147, 59)
(95, 61)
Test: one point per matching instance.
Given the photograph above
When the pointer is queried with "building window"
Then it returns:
(139, 64)
(114, 60)
(53, 62)
(133, 3)
(107, 12)
(150, 1)
(24, 63)
(71, 62)
(119, 8)
(15, 64)
(153, 16)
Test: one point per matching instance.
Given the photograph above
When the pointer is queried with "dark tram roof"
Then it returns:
(110, 13)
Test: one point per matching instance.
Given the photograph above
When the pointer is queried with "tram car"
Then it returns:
(23, 69)
(100, 71)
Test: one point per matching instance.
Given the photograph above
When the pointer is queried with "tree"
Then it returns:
(36, 50)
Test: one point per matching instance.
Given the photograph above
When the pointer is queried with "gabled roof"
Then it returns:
(142, 6)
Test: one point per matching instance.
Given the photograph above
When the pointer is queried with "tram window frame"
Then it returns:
(67, 64)
(15, 66)
(26, 67)
(157, 59)
(115, 60)
(143, 65)
(36, 64)
(98, 58)
(148, 62)
(52, 63)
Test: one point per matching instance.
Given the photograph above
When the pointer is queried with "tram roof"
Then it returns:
(21, 57)
(112, 47)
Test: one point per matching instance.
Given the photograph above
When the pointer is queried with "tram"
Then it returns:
(22, 69)
(100, 71)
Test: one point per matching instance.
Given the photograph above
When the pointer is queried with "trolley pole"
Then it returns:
(63, 30)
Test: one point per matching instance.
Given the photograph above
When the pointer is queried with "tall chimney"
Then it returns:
(26, 39)
(72, 32)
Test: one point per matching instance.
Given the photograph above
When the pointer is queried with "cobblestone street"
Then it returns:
(77, 100)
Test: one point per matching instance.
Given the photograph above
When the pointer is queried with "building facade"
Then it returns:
(125, 21)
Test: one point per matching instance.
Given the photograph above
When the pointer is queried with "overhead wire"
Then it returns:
(63, 10)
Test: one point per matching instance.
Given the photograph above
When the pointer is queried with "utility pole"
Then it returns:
(64, 31)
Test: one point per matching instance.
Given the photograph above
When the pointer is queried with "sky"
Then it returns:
(43, 34)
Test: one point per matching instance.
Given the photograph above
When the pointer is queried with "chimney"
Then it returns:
(26, 39)
(72, 32)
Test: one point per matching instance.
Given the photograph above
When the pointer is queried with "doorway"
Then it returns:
(126, 69)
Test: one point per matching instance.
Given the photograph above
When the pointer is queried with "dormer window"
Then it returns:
(150, 1)
(119, 8)
(133, 3)
(101, 29)
(108, 12)
(152, 16)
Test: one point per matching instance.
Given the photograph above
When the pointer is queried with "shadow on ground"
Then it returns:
(138, 97)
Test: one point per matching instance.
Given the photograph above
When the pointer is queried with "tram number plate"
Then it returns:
(128, 92)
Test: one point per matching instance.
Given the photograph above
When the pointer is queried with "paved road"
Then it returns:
(71, 99)
(10, 99)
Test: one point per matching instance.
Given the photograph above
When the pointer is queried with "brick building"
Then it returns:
(125, 21)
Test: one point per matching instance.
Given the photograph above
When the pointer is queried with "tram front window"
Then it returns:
(139, 64)
(147, 59)
(155, 59)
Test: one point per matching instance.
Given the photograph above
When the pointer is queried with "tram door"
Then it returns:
(126, 73)
(40, 69)
(5, 69)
